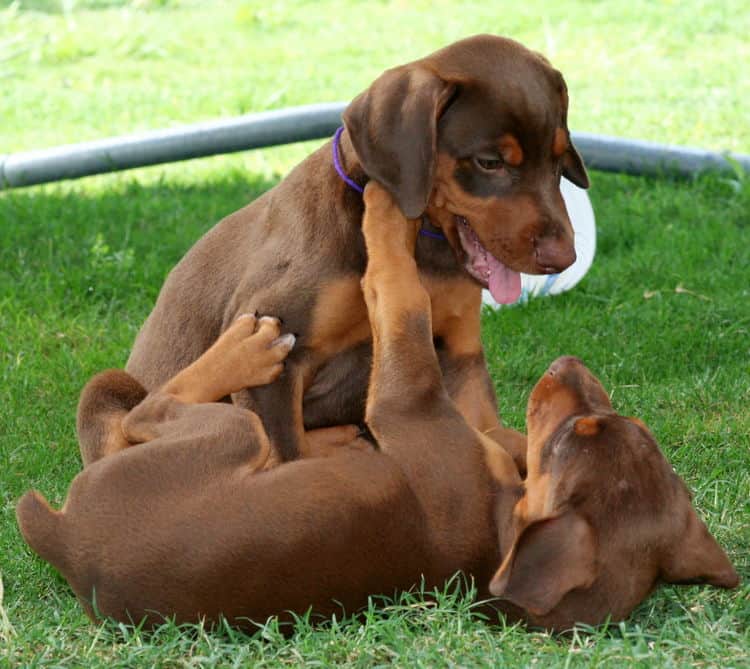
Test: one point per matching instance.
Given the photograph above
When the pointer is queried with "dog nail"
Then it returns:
(286, 340)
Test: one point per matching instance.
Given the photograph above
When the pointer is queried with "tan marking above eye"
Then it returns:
(560, 145)
(587, 427)
(510, 150)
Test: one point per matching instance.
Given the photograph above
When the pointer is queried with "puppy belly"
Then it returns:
(338, 392)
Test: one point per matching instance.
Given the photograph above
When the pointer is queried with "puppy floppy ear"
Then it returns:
(550, 558)
(393, 127)
(573, 168)
(698, 558)
(572, 163)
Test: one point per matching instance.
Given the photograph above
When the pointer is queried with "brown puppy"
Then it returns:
(604, 517)
(186, 525)
(476, 137)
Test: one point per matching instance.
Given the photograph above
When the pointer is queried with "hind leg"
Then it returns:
(249, 353)
(104, 402)
(115, 412)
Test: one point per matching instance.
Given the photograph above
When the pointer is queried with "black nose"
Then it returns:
(563, 364)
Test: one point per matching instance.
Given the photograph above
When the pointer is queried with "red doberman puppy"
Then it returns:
(473, 137)
(186, 524)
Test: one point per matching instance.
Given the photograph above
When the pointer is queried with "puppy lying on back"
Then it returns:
(173, 515)
(604, 516)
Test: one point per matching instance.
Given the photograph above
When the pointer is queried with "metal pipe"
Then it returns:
(298, 124)
(633, 156)
(251, 131)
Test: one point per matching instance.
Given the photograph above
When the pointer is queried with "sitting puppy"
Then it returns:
(179, 520)
(474, 137)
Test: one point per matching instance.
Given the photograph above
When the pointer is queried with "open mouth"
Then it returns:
(504, 283)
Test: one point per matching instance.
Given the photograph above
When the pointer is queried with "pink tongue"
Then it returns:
(504, 283)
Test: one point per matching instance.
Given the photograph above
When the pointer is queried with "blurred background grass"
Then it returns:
(664, 70)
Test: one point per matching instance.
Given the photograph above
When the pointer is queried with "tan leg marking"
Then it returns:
(249, 353)
(390, 239)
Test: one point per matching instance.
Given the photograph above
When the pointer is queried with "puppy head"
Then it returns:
(476, 136)
(604, 517)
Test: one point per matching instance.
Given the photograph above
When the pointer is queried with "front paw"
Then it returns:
(377, 198)
(384, 225)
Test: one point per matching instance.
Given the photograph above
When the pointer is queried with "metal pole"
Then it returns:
(251, 131)
(298, 124)
(632, 156)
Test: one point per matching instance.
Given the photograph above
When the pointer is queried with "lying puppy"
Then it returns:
(185, 525)
(473, 136)
(604, 516)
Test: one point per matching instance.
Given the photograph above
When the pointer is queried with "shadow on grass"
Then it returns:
(664, 303)
(83, 245)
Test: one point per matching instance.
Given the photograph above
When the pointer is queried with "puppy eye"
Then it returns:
(489, 163)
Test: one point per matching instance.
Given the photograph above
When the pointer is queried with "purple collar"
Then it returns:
(353, 184)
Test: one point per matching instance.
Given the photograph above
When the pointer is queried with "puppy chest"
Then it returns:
(339, 318)
(455, 305)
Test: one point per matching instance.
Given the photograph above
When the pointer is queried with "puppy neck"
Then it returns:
(349, 161)
(434, 254)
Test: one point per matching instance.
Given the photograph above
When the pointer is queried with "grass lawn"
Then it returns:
(663, 317)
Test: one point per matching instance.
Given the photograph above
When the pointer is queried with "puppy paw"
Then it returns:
(384, 225)
(254, 350)
(377, 199)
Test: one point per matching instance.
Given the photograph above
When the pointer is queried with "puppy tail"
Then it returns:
(105, 401)
(42, 528)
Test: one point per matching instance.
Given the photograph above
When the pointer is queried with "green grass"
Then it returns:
(663, 317)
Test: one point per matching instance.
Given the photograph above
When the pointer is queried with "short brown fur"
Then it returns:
(190, 525)
(298, 250)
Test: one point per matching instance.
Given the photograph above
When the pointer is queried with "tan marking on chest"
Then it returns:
(456, 305)
(339, 319)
